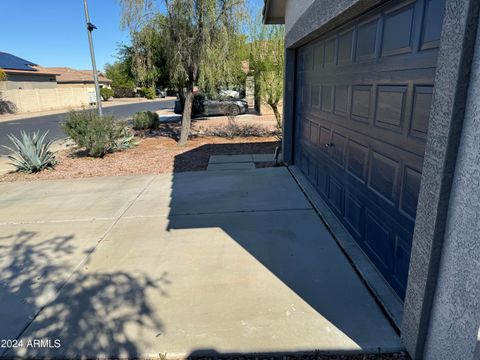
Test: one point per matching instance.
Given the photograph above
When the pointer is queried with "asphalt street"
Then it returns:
(52, 122)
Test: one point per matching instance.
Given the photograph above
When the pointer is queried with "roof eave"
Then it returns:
(273, 12)
(27, 72)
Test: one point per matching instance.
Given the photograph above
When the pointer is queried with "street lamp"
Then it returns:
(90, 28)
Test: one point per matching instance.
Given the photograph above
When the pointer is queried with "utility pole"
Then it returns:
(90, 28)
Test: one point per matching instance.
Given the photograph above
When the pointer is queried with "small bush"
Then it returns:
(31, 153)
(121, 92)
(145, 120)
(233, 130)
(98, 135)
(6, 106)
(148, 93)
(106, 93)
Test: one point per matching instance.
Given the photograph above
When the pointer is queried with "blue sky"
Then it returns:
(52, 32)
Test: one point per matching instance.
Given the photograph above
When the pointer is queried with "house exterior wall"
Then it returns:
(30, 100)
(305, 22)
(458, 292)
(21, 81)
(82, 85)
(293, 11)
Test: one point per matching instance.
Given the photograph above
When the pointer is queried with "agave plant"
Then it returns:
(31, 153)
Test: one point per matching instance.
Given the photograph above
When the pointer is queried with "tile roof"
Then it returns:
(69, 75)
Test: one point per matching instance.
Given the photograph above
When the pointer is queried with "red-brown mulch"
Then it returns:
(153, 155)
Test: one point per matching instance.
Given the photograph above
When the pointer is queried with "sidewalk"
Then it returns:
(105, 104)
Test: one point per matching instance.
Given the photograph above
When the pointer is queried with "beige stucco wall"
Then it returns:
(77, 85)
(293, 10)
(30, 100)
(82, 85)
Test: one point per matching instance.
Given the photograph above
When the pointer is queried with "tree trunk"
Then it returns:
(187, 116)
(278, 116)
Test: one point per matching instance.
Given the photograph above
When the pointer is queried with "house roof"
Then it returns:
(69, 75)
(274, 11)
(12, 64)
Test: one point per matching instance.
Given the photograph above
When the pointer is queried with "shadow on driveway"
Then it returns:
(94, 310)
(233, 261)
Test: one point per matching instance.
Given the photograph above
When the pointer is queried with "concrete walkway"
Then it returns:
(185, 264)
(238, 162)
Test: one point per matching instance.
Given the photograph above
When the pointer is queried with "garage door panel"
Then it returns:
(409, 143)
(409, 192)
(390, 107)
(336, 195)
(320, 170)
(366, 39)
(402, 259)
(383, 176)
(363, 101)
(432, 25)
(378, 241)
(354, 215)
(357, 160)
(422, 100)
(341, 100)
(397, 31)
(418, 62)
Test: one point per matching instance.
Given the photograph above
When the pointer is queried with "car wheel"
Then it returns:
(234, 110)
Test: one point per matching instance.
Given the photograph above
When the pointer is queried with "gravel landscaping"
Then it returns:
(154, 154)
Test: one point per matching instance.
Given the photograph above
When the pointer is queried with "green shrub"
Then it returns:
(31, 153)
(98, 135)
(148, 93)
(121, 92)
(145, 120)
(106, 93)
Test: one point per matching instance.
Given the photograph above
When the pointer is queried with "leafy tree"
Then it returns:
(267, 60)
(123, 83)
(198, 34)
(149, 54)
(3, 76)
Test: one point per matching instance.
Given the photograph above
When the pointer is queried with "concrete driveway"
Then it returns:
(186, 264)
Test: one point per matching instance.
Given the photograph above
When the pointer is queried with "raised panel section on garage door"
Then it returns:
(363, 97)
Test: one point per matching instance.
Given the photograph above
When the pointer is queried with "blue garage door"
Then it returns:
(363, 95)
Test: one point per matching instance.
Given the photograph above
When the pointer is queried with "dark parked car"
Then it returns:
(172, 92)
(202, 106)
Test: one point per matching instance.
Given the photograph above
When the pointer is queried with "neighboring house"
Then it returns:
(382, 128)
(24, 74)
(29, 87)
(68, 77)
